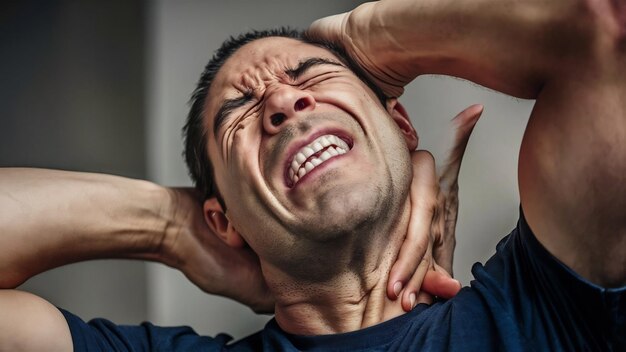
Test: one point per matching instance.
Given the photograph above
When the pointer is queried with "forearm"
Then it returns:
(509, 46)
(51, 218)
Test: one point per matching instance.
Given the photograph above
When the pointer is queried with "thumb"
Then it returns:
(439, 283)
(464, 123)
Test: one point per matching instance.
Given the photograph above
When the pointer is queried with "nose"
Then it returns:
(284, 104)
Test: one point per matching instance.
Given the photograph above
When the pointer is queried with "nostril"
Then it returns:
(301, 104)
(277, 118)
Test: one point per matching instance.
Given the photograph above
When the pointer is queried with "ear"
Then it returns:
(400, 116)
(220, 225)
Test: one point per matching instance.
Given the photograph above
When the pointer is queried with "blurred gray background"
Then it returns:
(103, 87)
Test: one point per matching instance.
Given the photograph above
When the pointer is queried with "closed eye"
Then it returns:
(227, 107)
(307, 64)
(309, 82)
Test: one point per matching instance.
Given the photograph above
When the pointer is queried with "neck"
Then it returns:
(350, 300)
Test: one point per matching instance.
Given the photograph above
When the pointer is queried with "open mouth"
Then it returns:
(314, 154)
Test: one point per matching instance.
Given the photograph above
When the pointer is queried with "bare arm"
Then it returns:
(570, 56)
(572, 163)
(510, 46)
(50, 218)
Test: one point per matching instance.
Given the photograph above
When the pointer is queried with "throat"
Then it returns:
(351, 300)
(337, 310)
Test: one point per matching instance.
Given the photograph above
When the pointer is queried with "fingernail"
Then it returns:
(397, 287)
(459, 282)
(412, 299)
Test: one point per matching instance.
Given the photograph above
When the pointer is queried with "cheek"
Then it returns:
(347, 85)
(240, 161)
(246, 140)
(351, 96)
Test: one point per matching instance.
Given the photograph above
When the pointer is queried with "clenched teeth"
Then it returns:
(315, 154)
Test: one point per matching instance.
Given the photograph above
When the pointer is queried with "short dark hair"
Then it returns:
(194, 131)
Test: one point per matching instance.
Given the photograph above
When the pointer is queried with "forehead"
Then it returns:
(267, 56)
(259, 62)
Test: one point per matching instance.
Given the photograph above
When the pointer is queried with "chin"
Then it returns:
(351, 212)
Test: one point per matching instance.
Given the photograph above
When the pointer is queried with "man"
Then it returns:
(544, 289)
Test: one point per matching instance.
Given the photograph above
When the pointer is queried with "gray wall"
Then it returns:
(74, 98)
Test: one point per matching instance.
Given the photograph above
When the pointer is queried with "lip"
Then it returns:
(295, 146)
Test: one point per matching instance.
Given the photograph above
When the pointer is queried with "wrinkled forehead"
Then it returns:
(258, 63)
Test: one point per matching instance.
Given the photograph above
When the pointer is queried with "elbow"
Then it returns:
(580, 33)
(606, 21)
(10, 279)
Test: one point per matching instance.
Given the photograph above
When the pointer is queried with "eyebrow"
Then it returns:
(228, 105)
(306, 64)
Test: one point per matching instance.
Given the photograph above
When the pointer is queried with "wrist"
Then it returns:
(379, 44)
(180, 214)
(153, 217)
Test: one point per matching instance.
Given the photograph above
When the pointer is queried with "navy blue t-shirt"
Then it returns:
(522, 299)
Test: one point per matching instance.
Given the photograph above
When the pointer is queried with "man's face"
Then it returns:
(302, 149)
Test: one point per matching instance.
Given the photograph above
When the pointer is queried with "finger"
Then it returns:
(464, 123)
(439, 283)
(409, 295)
(408, 263)
(415, 244)
(448, 182)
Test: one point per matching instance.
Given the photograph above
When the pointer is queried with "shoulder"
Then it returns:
(536, 300)
(30, 323)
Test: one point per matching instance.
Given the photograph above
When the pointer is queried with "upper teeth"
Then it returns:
(303, 162)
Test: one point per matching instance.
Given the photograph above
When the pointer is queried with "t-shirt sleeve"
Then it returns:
(103, 335)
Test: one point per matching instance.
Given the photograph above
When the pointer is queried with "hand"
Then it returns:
(369, 44)
(208, 262)
(425, 259)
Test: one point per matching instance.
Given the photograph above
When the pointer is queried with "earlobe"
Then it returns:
(220, 225)
(401, 117)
